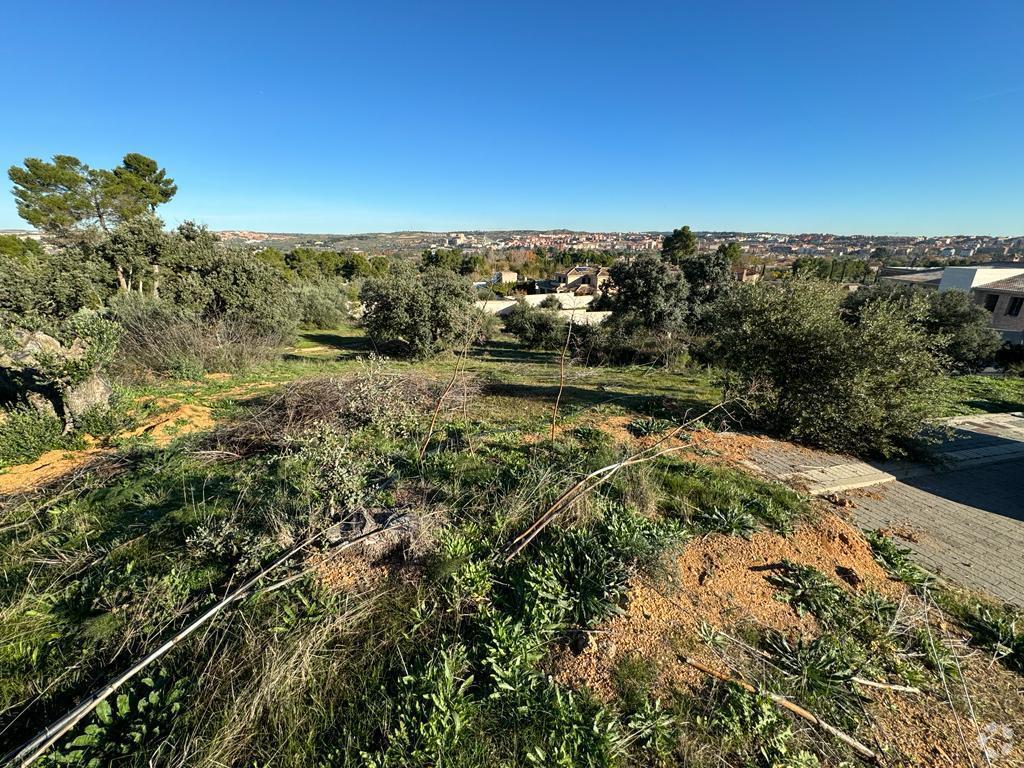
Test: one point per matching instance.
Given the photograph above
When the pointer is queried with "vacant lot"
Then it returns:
(445, 584)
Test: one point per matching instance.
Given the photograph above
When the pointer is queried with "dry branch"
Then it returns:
(561, 375)
(596, 478)
(31, 750)
(440, 401)
(785, 703)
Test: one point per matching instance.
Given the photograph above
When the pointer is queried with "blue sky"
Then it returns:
(886, 117)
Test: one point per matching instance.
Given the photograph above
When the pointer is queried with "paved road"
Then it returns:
(967, 515)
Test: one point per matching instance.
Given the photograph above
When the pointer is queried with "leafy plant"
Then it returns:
(809, 591)
(818, 673)
(894, 559)
(25, 434)
(137, 720)
(649, 425)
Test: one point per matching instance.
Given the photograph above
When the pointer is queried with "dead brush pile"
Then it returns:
(373, 396)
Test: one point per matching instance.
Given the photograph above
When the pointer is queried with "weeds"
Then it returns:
(26, 434)
(808, 591)
(894, 559)
(728, 501)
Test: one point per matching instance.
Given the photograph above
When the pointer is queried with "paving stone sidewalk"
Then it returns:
(964, 516)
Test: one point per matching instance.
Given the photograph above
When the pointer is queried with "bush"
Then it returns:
(321, 305)
(863, 388)
(26, 434)
(622, 341)
(226, 285)
(417, 314)
(159, 338)
(957, 325)
(535, 328)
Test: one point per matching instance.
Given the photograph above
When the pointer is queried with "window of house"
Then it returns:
(991, 299)
(1013, 308)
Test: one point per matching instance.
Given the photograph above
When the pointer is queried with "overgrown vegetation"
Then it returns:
(863, 388)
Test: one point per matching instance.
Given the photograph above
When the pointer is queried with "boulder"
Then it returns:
(26, 375)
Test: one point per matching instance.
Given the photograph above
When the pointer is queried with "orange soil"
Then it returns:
(52, 465)
(180, 420)
(713, 581)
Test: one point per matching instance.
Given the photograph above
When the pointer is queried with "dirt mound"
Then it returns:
(719, 581)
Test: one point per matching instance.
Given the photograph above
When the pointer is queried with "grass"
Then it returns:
(445, 661)
(966, 395)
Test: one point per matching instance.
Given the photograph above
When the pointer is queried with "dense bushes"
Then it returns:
(321, 304)
(215, 283)
(536, 327)
(418, 313)
(39, 289)
(862, 387)
(160, 338)
(951, 318)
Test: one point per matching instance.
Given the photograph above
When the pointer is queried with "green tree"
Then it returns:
(136, 249)
(536, 327)
(733, 253)
(709, 276)
(141, 185)
(441, 258)
(417, 313)
(61, 195)
(809, 375)
(39, 289)
(952, 320)
(680, 245)
(64, 195)
(217, 283)
(649, 294)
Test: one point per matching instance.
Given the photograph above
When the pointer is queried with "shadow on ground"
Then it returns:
(573, 396)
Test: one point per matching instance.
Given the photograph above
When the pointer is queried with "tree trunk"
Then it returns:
(122, 283)
(156, 281)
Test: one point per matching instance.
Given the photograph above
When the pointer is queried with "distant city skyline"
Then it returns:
(868, 118)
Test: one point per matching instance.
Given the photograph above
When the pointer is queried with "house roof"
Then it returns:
(1009, 284)
(929, 277)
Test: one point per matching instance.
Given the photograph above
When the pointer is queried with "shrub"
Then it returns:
(417, 314)
(25, 434)
(215, 284)
(954, 322)
(622, 341)
(862, 388)
(321, 305)
(534, 327)
(159, 338)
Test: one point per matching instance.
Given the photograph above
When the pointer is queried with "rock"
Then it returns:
(91, 394)
(27, 375)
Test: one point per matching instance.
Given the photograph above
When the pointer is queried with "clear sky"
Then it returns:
(896, 117)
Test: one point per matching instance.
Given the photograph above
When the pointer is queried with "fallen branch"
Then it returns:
(596, 478)
(886, 686)
(33, 749)
(785, 703)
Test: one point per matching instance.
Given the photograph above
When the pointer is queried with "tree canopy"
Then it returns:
(417, 313)
(679, 245)
(65, 194)
(952, 320)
